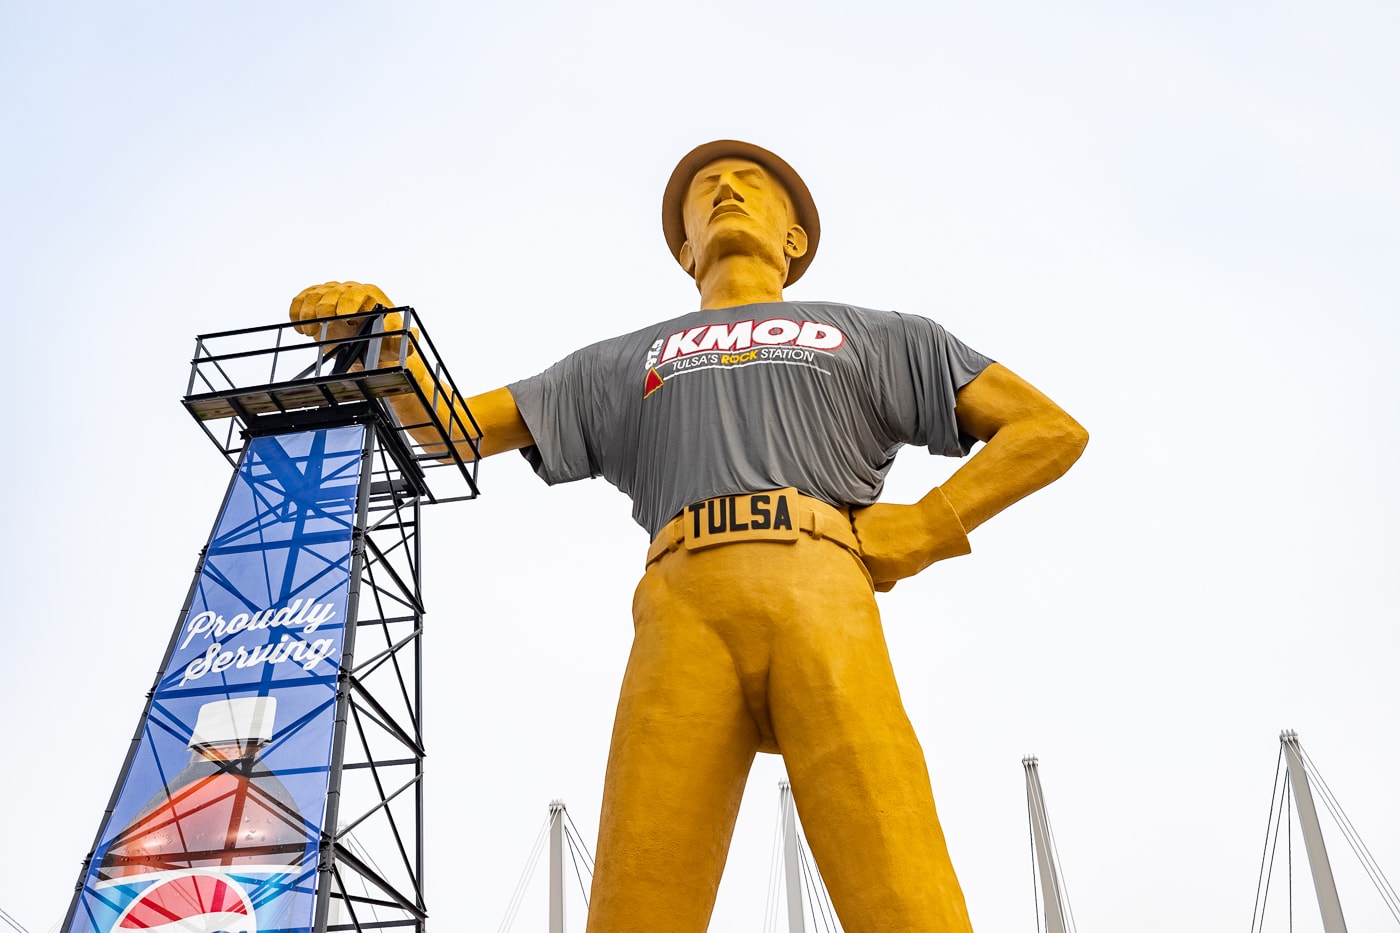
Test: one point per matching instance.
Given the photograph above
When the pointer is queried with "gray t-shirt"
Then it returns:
(812, 395)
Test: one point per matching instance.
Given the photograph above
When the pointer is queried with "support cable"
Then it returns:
(575, 857)
(809, 888)
(354, 846)
(1363, 854)
(1288, 789)
(1030, 833)
(12, 921)
(824, 899)
(518, 897)
(578, 835)
(1256, 917)
(345, 899)
(823, 895)
(1268, 878)
(770, 908)
(1061, 885)
(1270, 852)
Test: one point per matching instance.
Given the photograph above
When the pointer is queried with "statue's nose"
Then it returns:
(726, 192)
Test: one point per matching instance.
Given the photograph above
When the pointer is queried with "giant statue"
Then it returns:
(753, 436)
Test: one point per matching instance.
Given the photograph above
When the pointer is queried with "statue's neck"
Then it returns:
(739, 280)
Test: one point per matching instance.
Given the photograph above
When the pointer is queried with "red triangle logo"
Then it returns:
(654, 382)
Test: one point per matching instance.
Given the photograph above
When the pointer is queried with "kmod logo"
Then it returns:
(741, 335)
(190, 902)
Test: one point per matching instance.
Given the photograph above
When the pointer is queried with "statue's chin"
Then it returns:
(736, 241)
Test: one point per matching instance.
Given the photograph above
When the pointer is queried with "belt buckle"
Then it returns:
(760, 516)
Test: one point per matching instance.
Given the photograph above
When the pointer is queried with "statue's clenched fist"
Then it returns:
(898, 541)
(332, 300)
(327, 303)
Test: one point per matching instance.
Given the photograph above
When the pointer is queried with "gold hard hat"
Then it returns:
(673, 221)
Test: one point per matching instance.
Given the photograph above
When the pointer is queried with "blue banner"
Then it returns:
(218, 819)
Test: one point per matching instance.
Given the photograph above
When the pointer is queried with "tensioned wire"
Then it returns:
(12, 921)
(588, 855)
(518, 897)
(1290, 870)
(813, 874)
(1261, 889)
(1061, 893)
(577, 853)
(1285, 795)
(770, 909)
(1030, 834)
(354, 846)
(1273, 829)
(1062, 886)
(1353, 838)
(808, 887)
(813, 887)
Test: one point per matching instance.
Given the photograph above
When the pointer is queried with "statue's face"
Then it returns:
(736, 207)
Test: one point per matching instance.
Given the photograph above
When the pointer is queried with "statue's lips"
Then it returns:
(727, 209)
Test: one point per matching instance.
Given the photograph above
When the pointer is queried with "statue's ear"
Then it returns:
(796, 243)
(687, 256)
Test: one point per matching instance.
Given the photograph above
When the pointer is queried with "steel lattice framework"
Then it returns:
(263, 380)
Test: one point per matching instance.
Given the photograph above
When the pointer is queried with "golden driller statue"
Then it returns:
(753, 436)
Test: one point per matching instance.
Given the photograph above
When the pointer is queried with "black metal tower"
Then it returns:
(417, 444)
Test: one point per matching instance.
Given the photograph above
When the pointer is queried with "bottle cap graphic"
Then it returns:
(235, 719)
(225, 809)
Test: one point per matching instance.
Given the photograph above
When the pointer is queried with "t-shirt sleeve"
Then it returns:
(923, 369)
(555, 406)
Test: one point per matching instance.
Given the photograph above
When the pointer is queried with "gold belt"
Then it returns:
(777, 515)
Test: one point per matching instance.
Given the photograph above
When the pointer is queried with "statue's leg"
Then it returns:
(857, 771)
(682, 745)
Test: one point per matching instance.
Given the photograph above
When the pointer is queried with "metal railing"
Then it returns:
(254, 380)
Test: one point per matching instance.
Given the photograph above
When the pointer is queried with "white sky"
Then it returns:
(1178, 220)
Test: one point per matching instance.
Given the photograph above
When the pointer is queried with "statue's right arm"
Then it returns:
(495, 413)
(502, 427)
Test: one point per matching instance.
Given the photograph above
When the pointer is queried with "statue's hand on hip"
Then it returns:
(897, 541)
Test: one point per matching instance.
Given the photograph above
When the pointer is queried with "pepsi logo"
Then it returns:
(190, 902)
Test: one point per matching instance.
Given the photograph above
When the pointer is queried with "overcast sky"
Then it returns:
(1179, 220)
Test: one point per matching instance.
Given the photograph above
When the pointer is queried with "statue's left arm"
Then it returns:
(1029, 442)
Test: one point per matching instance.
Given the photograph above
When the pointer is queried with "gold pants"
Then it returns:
(765, 646)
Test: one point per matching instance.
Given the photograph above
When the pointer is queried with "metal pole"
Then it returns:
(1327, 900)
(790, 856)
(331, 820)
(556, 866)
(419, 793)
(1040, 832)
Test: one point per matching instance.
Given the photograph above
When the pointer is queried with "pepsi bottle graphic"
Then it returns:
(221, 848)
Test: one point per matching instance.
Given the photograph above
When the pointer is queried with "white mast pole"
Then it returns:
(790, 856)
(1040, 833)
(1327, 900)
(556, 866)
